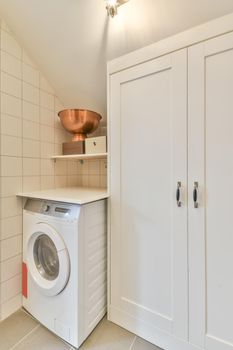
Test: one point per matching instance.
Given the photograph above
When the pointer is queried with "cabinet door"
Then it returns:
(211, 165)
(148, 157)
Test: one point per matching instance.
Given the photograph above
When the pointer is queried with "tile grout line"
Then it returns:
(27, 335)
(133, 342)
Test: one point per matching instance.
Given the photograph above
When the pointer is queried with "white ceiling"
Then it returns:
(71, 40)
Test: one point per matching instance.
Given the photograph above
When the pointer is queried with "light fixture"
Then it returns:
(112, 6)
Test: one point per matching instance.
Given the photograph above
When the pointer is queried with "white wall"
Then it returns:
(30, 134)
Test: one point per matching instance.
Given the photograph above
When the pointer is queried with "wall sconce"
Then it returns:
(112, 6)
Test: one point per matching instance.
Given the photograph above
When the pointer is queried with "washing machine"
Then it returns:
(64, 266)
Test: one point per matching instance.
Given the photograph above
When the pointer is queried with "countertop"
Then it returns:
(75, 195)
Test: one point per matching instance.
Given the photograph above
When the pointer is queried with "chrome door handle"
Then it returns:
(178, 201)
(195, 195)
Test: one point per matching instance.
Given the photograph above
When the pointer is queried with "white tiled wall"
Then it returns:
(28, 106)
(30, 134)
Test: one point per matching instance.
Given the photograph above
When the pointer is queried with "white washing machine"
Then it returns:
(64, 266)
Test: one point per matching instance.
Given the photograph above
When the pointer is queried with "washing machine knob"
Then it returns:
(46, 208)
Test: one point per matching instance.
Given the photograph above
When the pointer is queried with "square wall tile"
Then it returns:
(11, 247)
(46, 134)
(47, 182)
(103, 167)
(31, 93)
(11, 105)
(31, 130)
(85, 181)
(11, 126)
(31, 111)
(10, 85)
(31, 183)
(31, 75)
(11, 65)
(60, 136)
(11, 206)
(73, 167)
(60, 181)
(103, 181)
(74, 180)
(10, 185)
(47, 149)
(11, 267)
(11, 166)
(11, 226)
(10, 288)
(11, 146)
(94, 181)
(46, 100)
(60, 167)
(31, 148)
(46, 116)
(94, 167)
(58, 149)
(79, 166)
(31, 167)
(47, 167)
(11, 306)
(85, 167)
(10, 45)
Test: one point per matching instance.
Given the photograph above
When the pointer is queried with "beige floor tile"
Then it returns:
(141, 344)
(41, 339)
(15, 328)
(108, 336)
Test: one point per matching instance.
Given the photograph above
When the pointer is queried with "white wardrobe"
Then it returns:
(171, 187)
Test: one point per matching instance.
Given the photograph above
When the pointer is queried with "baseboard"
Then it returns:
(146, 331)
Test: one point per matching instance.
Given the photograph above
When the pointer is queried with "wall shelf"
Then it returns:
(81, 156)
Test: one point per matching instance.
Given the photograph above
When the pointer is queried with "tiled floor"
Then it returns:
(21, 332)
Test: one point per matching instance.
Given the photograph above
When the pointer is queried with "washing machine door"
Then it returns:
(48, 260)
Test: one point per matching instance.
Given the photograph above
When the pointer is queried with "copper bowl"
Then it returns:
(79, 122)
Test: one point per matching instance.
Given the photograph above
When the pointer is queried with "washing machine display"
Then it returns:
(49, 263)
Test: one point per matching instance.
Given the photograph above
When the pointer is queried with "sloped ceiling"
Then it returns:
(71, 40)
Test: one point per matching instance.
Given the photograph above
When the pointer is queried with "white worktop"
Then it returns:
(75, 195)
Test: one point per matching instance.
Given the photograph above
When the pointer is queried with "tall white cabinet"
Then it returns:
(210, 162)
(171, 187)
(148, 230)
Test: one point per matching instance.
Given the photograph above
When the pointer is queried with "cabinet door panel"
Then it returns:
(148, 156)
(211, 257)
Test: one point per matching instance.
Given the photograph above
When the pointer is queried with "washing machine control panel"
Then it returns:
(55, 209)
(62, 210)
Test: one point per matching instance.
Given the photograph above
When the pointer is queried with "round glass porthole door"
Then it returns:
(48, 260)
(46, 257)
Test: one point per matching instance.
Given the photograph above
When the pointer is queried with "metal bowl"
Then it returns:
(79, 122)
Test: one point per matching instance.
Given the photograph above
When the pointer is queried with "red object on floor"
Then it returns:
(24, 280)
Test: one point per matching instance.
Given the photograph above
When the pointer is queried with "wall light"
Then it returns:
(112, 6)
